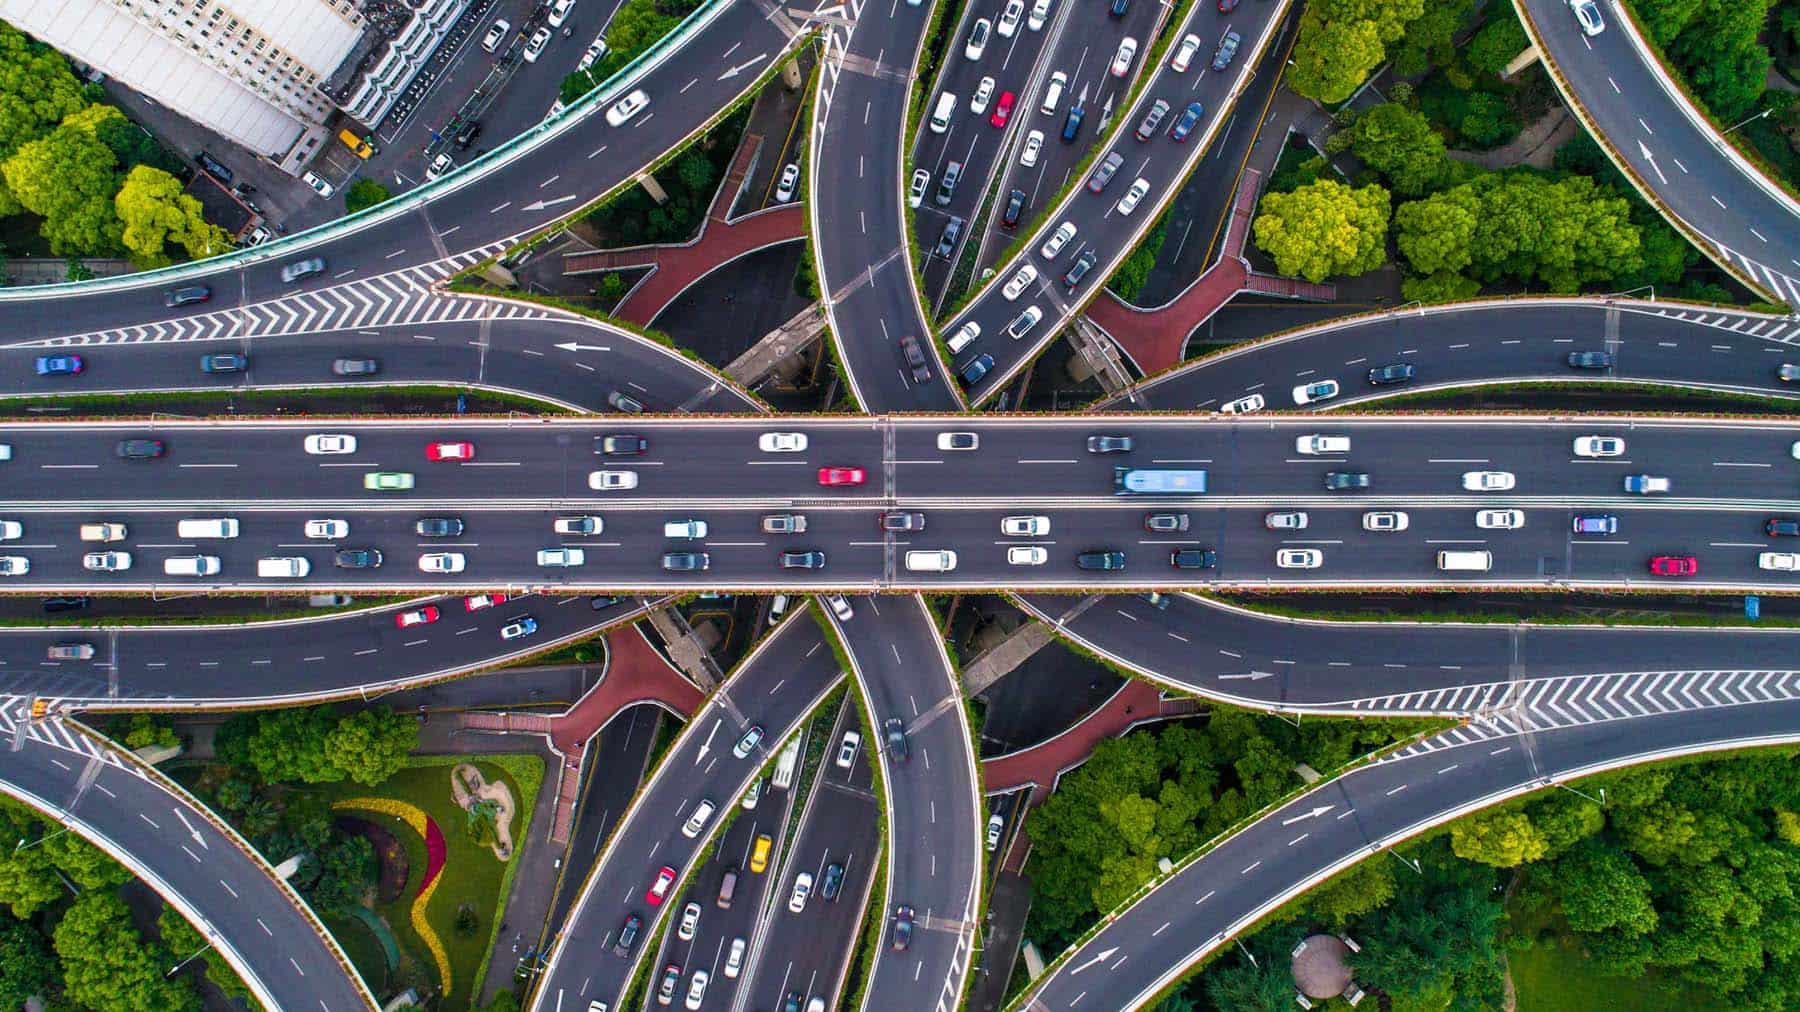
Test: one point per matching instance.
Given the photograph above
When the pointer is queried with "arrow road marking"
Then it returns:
(191, 830)
(731, 72)
(1255, 676)
(1101, 957)
(1644, 149)
(577, 346)
(706, 746)
(539, 205)
(1315, 813)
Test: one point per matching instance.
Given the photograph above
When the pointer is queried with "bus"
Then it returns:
(1157, 481)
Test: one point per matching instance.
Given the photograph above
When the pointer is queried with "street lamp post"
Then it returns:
(1747, 119)
(22, 845)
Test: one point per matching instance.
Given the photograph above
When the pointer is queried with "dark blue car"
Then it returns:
(58, 365)
(1185, 125)
(975, 370)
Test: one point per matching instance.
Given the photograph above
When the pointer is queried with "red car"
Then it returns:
(841, 476)
(418, 616)
(450, 451)
(1674, 565)
(660, 888)
(480, 601)
(1003, 109)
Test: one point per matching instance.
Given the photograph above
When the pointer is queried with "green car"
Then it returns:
(388, 481)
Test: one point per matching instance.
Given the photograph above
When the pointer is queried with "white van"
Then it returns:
(217, 527)
(784, 765)
(1053, 92)
(940, 117)
(940, 561)
(191, 565)
(1479, 562)
(287, 567)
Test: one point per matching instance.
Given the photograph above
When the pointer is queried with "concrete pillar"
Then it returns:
(790, 74)
(653, 188)
(1520, 62)
(495, 274)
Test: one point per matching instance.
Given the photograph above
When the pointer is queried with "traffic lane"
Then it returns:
(342, 654)
(1163, 164)
(623, 752)
(935, 814)
(775, 686)
(807, 952)
(1354, 815)
(1491, 343)
(1679, 161)
(181, 847)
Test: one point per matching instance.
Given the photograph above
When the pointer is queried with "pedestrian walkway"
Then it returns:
(1156, 339)
(1039, 767)
(675, 266)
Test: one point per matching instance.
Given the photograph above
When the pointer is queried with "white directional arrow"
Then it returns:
(1315, 813)
(1101, 957)
(1255, 676)
(191, 830)
(539, 205)
(577, 346)
(731, 72)
(1644, 149)
(706, 746)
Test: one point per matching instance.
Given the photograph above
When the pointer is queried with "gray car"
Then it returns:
(302, 269)
(355, 366)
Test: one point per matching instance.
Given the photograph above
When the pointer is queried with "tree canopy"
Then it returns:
(313, 745)
(156, 212)
(107, 966)
(1324, 229)
(1341, 41)
(68, 178)
(37, 90)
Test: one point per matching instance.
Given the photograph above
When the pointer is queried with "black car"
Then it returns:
(832, 883)
(1108, 560)
(977, 368)
(1015, 206)
(214, 167)
(947, 240)
(791, 1003)
(56, 604)
(1193, 558)
(628, 935)
(224, 363)
(621, 444)
(1079, 269)
(1344, 481)
(186, 295)
(902, 520)
(601, 602)
(915, 358)
(1393, 372)
(1118, 8)
(140, 449)
(1780, 528)
(1166, 523)
(895, 732)
(438, 527)
(1147, 127)
(357, 558)
(686, 562)
(803, 559)
(1590, 360)
(900, 928)
(1109, 444)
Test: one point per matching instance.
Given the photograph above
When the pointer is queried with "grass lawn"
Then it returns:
(1554, 976)
(471, 874)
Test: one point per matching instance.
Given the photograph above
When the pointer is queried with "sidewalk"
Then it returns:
(1136, 702)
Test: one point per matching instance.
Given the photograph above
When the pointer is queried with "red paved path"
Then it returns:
(1040, 765)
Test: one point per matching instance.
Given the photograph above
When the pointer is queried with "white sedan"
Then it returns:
(1317, 444)
(1299, 558)
(1499, 520)
(106, 562)
(1025, 527)
(1779, 562)
(1587, 13)
(612, 481)
(1023, 555)
(534, 46)
(1312, 393)
(328, 529)
(443, 562)
(1599, 446)
(1018, 282)
(1244, 405)
(11, 530)
(782, 442)
(1121, 64)
(1184, 54)
(1488, 481)
(1385, 521)
(1009, 18)
(14, 565)
(627, 107)
(326, 444)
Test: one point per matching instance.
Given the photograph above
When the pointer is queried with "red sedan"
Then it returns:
(480, 601)
(450, 451)
(1003, 109)
(660, 888)
(418, 616)
(841, 476)
(1674, 565)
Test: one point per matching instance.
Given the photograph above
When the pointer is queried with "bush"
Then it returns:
(364, 194)
(1489, 122)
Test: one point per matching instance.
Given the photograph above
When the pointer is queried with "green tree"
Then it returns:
(284, 745)
(1266, 985)
(1342, 40)
(1399, 143)
(86, 865)
(695, 171)
(1501, 39)
(370, 745)
(1503, 839)
(1324, 229)
(132, 145)
(1430, 39)
(504, 1001)
(1489, 121)
(346, 872)
(1438, 233)
(27, 966)
(259, 818)
(157, 212)
(1444, 286)
(1439, 935)
(1666, 19)
(67, 178)
(1600, 888)
(232, 795)
(1722, 57)
(364, 194)
(146, 730)
(37, 90)
(1365, 886)
(182, 941)
(107, 966)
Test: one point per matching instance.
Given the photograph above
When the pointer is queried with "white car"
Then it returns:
(984, 93)
(106, 562)
(319, 185)
(1312, 393)
(1385, 521)
(782, 442)
(1499, 520)
(1054, 245)
(328, 529)
(1025, 526)
(439, 166)
(690, 922)
(1009, 18)
(1299, 558)
(1184, 54)
(5, 451)
(595, 51)
(1133, 196)
(847, 749)
(612, 481)
(534, 46)
(496, 32)
(1121, 63)
(734, 958)
(561, 558)
(691, 530)
(1034, 143)
(11, 530)
(1290, 520)
(995, 824)
(696, 820)
(1018, 282)
(915, 194)
(802, 889)
(443, 562)
(1587, 13)
(1243, 405)
(559, 13)
(790, 179)
(978, 39)
(627, 107)
(1026, 555)
(1040, 12)
(960, 441)
(1488, 481)
(840, 607)
(696, 995)
(1316, 444)
(1599, 446)
(14, 565)
(330, 444)
(579, 525)
(1779, 562)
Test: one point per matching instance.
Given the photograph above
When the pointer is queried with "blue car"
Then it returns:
(1596, 523)
(58, 365)
(976, 369)
(1185, 125)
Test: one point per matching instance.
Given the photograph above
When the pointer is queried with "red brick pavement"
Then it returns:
(1040, 765)
(635, 673)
